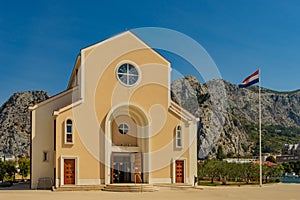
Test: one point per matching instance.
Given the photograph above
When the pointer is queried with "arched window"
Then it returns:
(69, 132)
(179, 136)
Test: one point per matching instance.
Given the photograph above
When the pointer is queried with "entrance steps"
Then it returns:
(123, 187)
(130, 188)
(175, 185)
(78, 188)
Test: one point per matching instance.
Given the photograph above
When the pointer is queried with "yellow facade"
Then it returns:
(118, 131)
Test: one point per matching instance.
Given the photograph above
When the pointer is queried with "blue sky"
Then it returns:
(39, 40)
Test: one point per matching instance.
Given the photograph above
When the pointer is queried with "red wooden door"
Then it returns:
(138, 176)
(179, 171)
(69, 171)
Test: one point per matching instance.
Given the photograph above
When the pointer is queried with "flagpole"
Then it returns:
(250, 80)
(260, 150)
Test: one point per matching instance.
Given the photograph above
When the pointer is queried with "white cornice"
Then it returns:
(63, 109)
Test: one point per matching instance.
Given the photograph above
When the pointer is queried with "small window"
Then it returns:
(123, 128)
(45, 156)
(178, 136)
(69, 132)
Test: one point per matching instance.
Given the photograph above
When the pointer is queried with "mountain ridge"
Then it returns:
(225, 112)
(228, 117)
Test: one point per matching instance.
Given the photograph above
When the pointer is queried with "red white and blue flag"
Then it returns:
(250, 80)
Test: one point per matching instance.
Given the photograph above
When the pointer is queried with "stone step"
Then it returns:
(79, 188)
(130, 188)
(175, 185)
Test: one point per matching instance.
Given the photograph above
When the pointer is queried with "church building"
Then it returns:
(115, 122)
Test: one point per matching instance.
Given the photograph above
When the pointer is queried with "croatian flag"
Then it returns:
(250, 80)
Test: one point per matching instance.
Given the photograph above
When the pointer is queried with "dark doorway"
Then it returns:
(126, 168)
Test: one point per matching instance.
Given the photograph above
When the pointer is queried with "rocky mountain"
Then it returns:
(229, 115)
(15, 122)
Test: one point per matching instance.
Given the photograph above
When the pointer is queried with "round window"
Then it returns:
(123, 128)
(128, 74)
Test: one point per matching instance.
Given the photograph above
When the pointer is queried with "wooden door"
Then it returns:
(179, 171)
(137, 168)
(69, 171)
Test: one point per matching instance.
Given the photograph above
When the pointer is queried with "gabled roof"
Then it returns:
(89, 48)
(175, 108)
(52, 98)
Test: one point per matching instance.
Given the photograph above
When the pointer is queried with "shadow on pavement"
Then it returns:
(17, 186)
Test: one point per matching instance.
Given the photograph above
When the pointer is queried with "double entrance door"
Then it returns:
(126, 168)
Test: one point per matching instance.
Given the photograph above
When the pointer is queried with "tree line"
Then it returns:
(8, 169)
(292, 167)
(237, 172)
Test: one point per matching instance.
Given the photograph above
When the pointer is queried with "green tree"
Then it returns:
(201, 171)
(2, 171)
(249, 171)
(272, 171)
(228, 170)
(287, 167)
(297, 167)
(276, 171)
(271, 159)
(24, 166)
(10, 168)
(212, 169)
(265, 172)
(220, 153)
(237, 170)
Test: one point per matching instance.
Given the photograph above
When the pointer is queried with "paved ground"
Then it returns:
(20, 186)
(269, 192)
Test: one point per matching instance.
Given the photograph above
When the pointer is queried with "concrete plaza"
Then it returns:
(267, 192)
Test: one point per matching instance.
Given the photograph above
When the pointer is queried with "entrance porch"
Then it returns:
(127, 167)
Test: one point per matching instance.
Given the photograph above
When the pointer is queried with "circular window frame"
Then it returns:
(124, 124)
(135, 67)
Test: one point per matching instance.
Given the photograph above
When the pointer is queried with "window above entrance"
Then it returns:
(127, 74)
(69, 136)
(123, 128)
(178, 136)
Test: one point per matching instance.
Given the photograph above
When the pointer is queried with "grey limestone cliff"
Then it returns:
(223, 108)
(15, 122)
